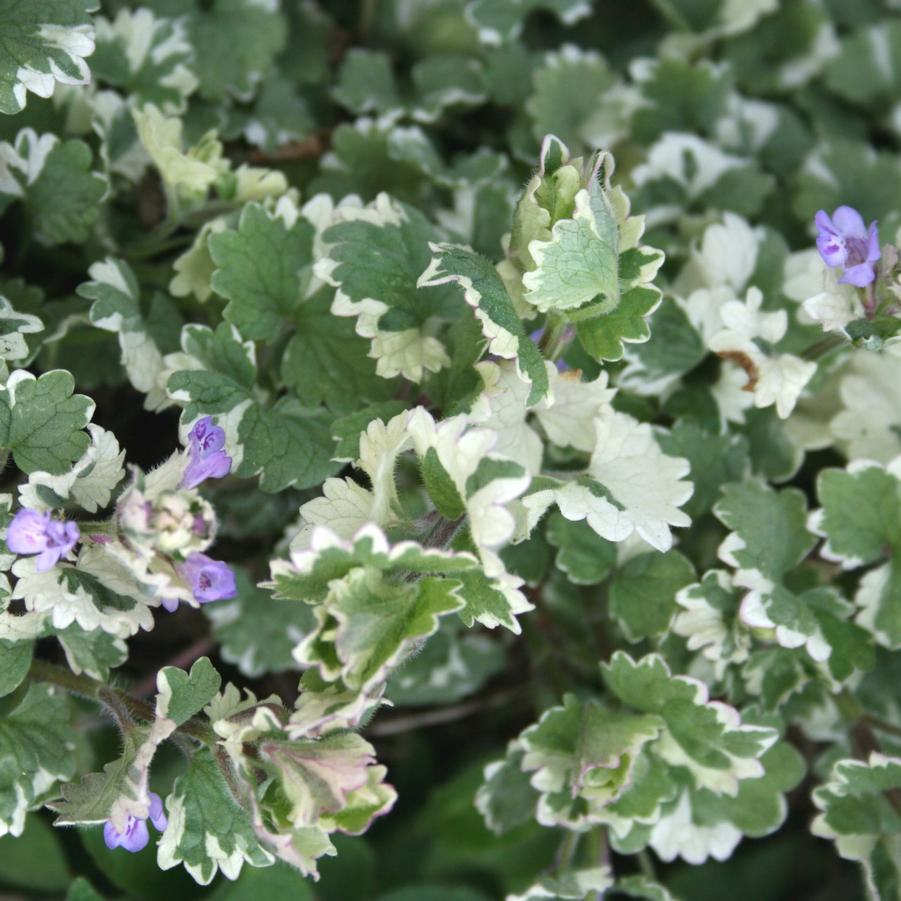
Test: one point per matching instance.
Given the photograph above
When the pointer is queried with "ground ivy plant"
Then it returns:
(451, 449)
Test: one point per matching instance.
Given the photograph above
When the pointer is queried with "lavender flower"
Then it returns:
(208, 459)
(31, 532)
(211, 580)
(136, 834)
(845, 241)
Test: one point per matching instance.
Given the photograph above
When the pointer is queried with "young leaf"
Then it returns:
(181, 694)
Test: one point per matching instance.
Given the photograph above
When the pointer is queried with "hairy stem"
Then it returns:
(121, 703)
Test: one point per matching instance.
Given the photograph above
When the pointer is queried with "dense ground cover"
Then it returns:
(452, 449)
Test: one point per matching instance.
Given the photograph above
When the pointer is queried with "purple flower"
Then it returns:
(136, 835)
(845, 241)
(211, 580)
(31, 532)
(208, 459)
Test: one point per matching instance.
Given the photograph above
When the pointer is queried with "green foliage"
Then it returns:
(471, 394)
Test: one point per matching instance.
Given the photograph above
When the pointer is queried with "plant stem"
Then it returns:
(567, 850)
(822, 347)
(882, 726)
(112, 698)
(554, 338)
(647, 865)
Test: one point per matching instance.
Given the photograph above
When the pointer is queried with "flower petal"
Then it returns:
(860, 275)
(849, 222)
(874, 252)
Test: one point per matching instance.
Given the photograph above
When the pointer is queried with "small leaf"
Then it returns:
(181, 695)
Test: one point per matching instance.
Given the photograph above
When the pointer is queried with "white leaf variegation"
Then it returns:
(773, 378)
(630, 485)
(90, 483)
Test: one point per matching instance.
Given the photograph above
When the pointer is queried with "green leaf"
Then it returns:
(82, 890)
(53, 178)
(484, 291)
(94, 651)
(278, 881)
(715, 460)
(603, 335)
(286, 444)
(720, 751)
(441, 487)
(643, 592)
(280, 115)
(367, 624)
(506, 798)
(769, 528)
(348, 430)
(310, 574)
(644, 888)
(13, 328)
(759, 807)
(15, 661)
(676, 349)
(318, 776)
(679, 96)
(259, 268)
(861, 520)
(873, 55)
(117, 308)
(582, 758)
(849, 172)
(42, 421)
(204, 815)
(43, 44)
(35, 750)
(451, 666)
(585, 557)
(859, 817)
(374, 260)
(366, 83)
(182, 695)
(567, 885)
(569, 99)
(255, 631)
(499, 21)
(580, 263)
(326, 362)
(237, 40)
(158, 70)
(91, 799)
(35, 861)
(861, 513)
